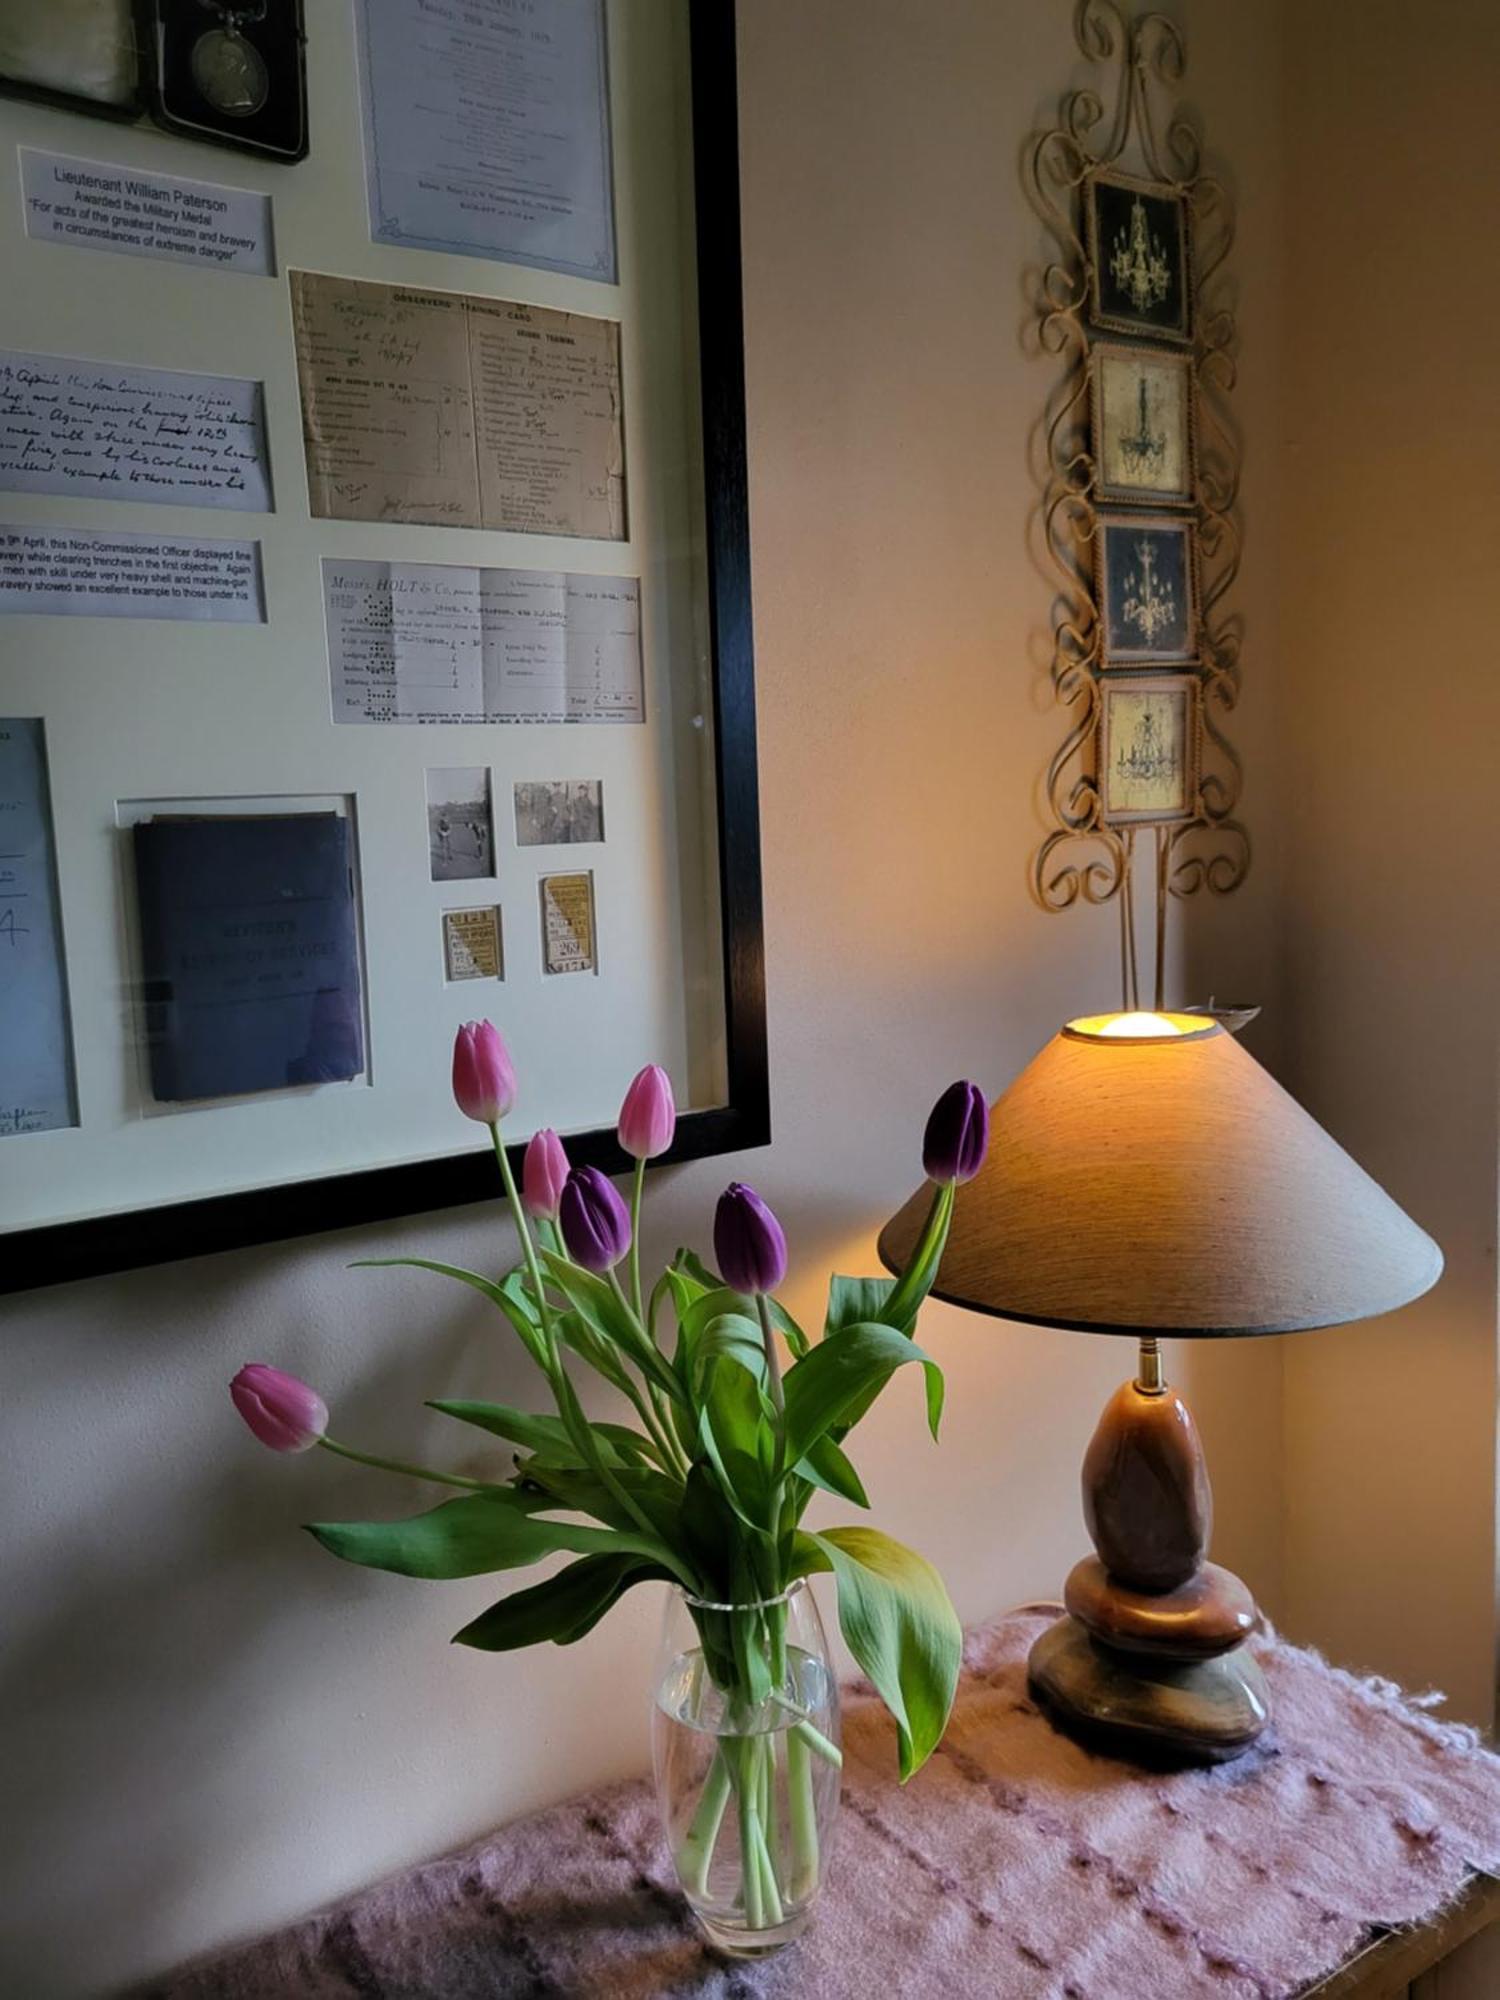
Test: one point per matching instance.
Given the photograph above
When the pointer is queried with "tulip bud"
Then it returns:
(648, 1117)
(543, 1172)
(958, 1133)
(484, 1078)
(282, 1412)
(595, 1221)
(748, 1241)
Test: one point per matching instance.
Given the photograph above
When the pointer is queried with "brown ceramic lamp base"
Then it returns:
(1150, 1658)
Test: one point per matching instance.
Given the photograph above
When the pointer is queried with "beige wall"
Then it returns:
(1391, 710)
(209, 1727)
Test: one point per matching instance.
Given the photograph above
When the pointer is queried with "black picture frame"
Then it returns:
(169, 31)
(1146, 578)
(1146, 222)
(131, 1240)
(126, 112)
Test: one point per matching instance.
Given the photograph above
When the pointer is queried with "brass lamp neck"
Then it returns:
(1150, 1377)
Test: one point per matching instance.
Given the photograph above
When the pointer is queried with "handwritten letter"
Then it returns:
(95, 427)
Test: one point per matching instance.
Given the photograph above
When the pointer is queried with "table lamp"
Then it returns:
(1146, 1176)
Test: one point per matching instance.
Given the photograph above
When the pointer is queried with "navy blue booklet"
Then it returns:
(249, 954)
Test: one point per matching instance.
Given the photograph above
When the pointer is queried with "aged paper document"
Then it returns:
(471, 944)
(487, 130)
(465, 412)
(122, 433)
(568, 943)
(440, 642)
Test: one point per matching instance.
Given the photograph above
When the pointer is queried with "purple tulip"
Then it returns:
(748, 1241)
(648, 1117)
(484, 1078)
(282, 1412)
(595, 1221)
(543, 1172)
(958, 1133)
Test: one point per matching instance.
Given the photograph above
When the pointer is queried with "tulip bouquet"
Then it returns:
(738, 1417)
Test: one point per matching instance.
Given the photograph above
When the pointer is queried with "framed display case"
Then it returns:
(401, 675)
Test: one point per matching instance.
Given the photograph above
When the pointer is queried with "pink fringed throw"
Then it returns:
(1015, 1864)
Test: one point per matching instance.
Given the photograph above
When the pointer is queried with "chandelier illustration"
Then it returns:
(1143, 449)
(1150, 605)
(1150, 757)
(1139, 264)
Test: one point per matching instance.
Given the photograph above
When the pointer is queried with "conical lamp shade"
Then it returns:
(1165, 1183)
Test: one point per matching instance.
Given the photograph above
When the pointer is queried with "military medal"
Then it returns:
(230, 71)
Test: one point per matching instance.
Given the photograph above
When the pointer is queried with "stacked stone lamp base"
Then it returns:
(1150, 1660)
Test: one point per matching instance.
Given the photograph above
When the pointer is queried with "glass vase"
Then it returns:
(745, 1739)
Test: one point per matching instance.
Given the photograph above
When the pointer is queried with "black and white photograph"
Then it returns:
(460, 824)
(559, 812)
(1147, 593)
(1138, 256)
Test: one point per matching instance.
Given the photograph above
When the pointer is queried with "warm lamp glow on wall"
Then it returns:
(1147, 1177)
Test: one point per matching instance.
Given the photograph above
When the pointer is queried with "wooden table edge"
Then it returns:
(1388, 1965)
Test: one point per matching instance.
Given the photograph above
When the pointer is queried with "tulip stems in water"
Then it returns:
(695, 1856)
(804, 1817)
(808, 1733)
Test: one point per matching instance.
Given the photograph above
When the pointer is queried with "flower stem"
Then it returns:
(804, 1817)
(637, 1189)
(755, 1907)
(568, 1407)
(409, 1471)
(808, 1732)
(773, 1358)
(523, 1230)
(695, 1857)
(911, 1287)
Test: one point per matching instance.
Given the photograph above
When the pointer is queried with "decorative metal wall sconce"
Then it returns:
(1136, 310)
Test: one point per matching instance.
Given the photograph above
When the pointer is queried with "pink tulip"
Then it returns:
(648, 1117)
(282, 1412)
(484, 1078)
(543, 1172)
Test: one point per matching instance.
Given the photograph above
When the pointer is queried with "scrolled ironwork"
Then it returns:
(1126, 124)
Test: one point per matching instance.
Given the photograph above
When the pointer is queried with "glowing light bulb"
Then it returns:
(1140, 1026)
(1126, 1025)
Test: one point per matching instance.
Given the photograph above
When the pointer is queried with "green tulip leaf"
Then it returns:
(898, 1622)
(562, 1609)
(826, 1465)
(522, 1319)
(607, 1315)
(735, 1428)
(583, 1491)
(471, 1537)
(846, 1372)
(688, 1264)
(549, 1437)
(731, 1337)
(856, 1302)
